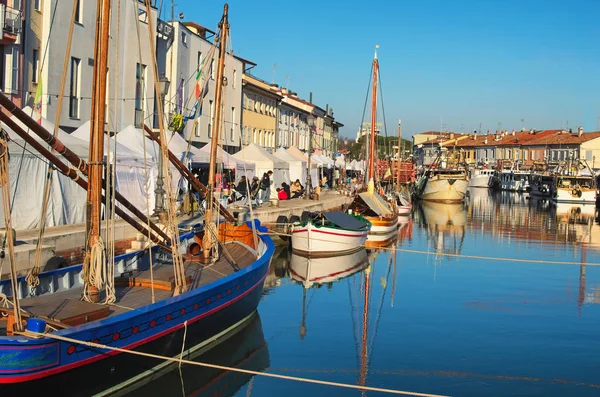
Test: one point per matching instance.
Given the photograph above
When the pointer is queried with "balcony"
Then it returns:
(165, 29)
(10, 21)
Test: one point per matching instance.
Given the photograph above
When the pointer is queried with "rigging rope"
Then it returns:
(171, 226)
(225, 368)
(9, 236)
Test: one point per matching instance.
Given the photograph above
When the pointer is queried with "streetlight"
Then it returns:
(310, 120)
(159, 192)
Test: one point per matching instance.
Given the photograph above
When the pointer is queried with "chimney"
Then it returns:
(451, 135)
(579, 131)
(485, 141)
(327, 109)
(310, 98)
(475, 135)
(283, 91)
(513, 132)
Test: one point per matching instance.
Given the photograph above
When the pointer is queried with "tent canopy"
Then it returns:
(230, 162)
(297, 166)
(265, 162)
(124, 154)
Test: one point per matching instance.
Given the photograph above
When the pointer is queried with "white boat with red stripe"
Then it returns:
(330, 233)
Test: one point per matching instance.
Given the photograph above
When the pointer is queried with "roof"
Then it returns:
(566, 138)
(198, 27)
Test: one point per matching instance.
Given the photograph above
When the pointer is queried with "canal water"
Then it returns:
(486, 298)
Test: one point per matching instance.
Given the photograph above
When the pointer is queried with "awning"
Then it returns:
(376, 203)
(344, 220)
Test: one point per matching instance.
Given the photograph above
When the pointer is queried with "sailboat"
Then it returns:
(57, 332)
(369, 204)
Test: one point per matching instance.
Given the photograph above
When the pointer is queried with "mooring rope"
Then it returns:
(420, 252)
(225, 368)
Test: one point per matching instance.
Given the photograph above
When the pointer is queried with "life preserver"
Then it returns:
(576, 191)
(543, 190)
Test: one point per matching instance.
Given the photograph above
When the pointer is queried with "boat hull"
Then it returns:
(156, 328)
(588, 196)
(383, 231)
(326, 241)
(480, 181)
(445, 190)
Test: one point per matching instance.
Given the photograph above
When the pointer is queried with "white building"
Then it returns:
(181, 61)
(46, 47)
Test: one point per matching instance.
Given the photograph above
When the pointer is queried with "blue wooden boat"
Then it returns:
(213, 305)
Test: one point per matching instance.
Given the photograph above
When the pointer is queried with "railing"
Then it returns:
(164, 28)
(10, 20)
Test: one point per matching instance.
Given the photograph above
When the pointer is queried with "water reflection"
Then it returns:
(243, 348)
(446, 226)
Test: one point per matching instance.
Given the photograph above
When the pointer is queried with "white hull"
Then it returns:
(310, 271)
(565, 196)
(403, 211)
(323, 241)
(444, 190)
(514, 181)
(482, 181)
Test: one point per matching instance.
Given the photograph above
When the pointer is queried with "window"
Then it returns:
(232, 123)
(74, 88)
(212, 69)
(254, 137)
(184, 38)
(15, 70)
(35, 63)
(588, 155)
(211, 118)
(234, 78)
(16, 4)
(140, 90)
(37, 5)
(78, 16)
(199, 61)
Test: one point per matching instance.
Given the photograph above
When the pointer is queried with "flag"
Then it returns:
(388, 173)
(37, 103)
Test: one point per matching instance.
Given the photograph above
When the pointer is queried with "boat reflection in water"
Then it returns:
(310, 271)
(244, 348)
(445, 224)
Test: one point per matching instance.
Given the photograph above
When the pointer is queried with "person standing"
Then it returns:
(265, 186)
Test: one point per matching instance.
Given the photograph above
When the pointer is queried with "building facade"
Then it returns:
(187, 59)
(259, 114)
(12, 82)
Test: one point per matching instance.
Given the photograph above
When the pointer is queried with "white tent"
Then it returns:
(179, 146)
(297, 166)
(314, 165)
(27, 171)
(265, 162)
(132, 173)
(230, 162)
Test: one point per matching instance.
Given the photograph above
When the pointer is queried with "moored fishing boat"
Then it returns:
(541, 186)
(76, 317)
(442, 186)
(330, 233)
(481, 177)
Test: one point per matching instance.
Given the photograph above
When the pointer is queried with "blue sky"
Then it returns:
(463, 62)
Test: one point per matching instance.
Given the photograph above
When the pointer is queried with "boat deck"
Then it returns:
(133, 290)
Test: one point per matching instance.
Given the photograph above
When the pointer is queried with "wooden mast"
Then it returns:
(96, 154)
(399, 154)
(371, 173)
(208, 219)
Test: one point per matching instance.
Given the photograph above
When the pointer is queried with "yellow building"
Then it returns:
(259, 116)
